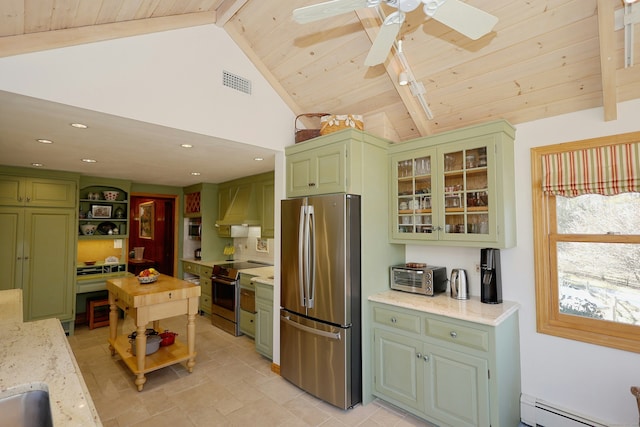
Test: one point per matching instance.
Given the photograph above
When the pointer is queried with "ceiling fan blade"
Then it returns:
(315, 12)
(465, 19)
(385, 38)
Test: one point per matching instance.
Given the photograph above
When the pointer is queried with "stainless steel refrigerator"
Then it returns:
(320, 338)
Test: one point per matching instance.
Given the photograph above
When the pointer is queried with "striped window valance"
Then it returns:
(606, 170)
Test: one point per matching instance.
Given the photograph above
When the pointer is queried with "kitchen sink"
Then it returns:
(27, 409)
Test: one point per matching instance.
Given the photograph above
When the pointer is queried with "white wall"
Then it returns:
(583, 378)
(172, 78)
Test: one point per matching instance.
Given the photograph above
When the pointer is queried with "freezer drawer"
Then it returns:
(320, 359)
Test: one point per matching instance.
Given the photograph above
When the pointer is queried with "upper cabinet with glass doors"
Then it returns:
(455, 188)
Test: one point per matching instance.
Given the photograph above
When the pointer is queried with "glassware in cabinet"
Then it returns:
(413, 189)
(466, 192)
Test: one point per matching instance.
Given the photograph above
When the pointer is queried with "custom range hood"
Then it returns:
(241, 215)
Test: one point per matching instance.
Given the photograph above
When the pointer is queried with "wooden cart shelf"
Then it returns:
(165, 356)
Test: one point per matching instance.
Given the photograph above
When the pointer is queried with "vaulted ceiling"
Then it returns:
(543, 58)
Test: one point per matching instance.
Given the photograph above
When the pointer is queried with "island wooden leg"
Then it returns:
(113, 322)
(141, 350)
(191, 332)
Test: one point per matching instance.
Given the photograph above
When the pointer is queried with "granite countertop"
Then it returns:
(266, 271)
(264, 280)
(471, 310)
(37, 356)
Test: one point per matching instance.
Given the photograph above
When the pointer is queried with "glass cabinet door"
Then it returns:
(466, 195)
(413, 200)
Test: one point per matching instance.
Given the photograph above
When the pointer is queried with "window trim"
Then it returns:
(549, 320)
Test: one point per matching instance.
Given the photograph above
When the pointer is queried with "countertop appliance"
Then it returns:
(225, 289)
(197, 254)
(418, 279)
(320, 330)
(490, 276)
(459, 284)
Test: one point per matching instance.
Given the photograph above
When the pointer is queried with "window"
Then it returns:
(586, 216)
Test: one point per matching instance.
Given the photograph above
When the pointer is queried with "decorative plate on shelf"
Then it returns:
(105, 227)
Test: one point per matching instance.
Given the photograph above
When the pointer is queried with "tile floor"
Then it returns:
(231, 385)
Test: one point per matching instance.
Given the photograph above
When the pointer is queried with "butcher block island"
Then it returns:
(152, 302)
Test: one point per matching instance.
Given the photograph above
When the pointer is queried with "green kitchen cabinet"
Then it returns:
(322, 170)
(247, 305)
(446, 370)
(266, 203)
(264, 319)
(37, 192)
(456, 188)
(37, 255)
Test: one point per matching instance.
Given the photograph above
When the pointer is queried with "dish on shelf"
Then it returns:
(105, 227)
(89, 262)
(110, 195)
(88, 229)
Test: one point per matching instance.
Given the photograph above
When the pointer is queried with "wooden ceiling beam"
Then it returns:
(392, 65)
(45, 40)
(607, 59)
(227, 9)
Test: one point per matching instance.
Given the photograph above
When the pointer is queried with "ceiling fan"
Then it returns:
(465, 19)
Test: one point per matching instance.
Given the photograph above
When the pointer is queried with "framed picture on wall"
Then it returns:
(147, 220)
(262, 245)
(100, 211)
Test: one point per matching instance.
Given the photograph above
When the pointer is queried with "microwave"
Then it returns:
(194, 230)
(424, 280)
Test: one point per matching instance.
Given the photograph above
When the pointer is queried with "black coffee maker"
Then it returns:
(490, 276)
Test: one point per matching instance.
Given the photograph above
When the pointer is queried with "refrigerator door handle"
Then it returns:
(331, 335)
(301, 254)
(311, 260)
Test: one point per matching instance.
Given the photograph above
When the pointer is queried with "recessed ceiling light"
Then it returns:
(195, 173)
(37, 165)
(79, 126)
(45, 141)
(89, 160)
(186, 145)
(258, 159)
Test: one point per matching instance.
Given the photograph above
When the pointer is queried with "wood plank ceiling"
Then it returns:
(544, 58)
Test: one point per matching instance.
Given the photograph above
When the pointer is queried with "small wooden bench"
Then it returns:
(97, 312)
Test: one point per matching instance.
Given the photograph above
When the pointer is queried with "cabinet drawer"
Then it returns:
(395, 319)
(245, 281)
(205, 303)
(205, 271)
(264, 292)
(191, 268)
(205, 285)
(457, 334)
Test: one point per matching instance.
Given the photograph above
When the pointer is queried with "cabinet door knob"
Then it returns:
(419, 355)
(19, 198)
(28, 199)
(426, 357)
(394, 320)
(453, 334)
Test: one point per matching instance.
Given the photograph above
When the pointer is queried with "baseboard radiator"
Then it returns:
(536, 412)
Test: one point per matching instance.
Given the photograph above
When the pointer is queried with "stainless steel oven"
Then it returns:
(226, 299)
(225, 313)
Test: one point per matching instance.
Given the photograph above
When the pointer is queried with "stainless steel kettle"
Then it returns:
(459, 284)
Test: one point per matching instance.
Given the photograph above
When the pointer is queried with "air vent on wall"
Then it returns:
(236, 82)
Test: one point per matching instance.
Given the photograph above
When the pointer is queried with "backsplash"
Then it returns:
(254, 249)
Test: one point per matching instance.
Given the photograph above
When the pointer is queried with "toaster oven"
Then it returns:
(424, 280)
